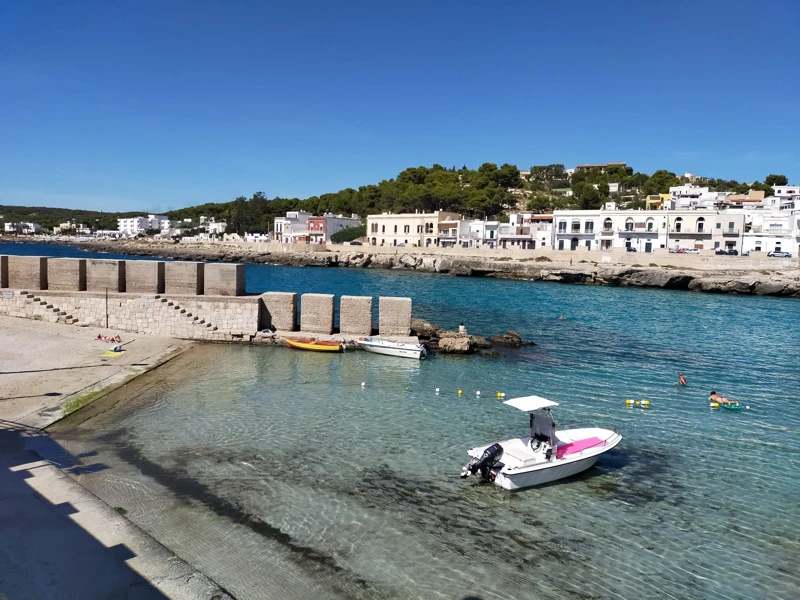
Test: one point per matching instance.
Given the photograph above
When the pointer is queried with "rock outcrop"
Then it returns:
(511, 339)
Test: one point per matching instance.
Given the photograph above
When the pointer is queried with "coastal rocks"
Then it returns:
(455, 345)
(407, 262)
(511, 339)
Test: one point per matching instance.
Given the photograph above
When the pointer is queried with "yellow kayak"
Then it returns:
(318, 346)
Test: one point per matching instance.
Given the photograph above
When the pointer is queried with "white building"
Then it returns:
(216, 227)
(293, 227)
(482, 233)
(133, 226)
(23, 227)
(787, 191)
(694, 196)
(407, 229)
(527, 231)
(646, 230)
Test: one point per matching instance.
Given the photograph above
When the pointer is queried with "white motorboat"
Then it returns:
(391, 348)
(543, 456)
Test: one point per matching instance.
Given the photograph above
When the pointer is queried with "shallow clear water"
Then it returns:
(274, 472)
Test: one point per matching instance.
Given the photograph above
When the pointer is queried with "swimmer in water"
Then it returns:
(681, 379)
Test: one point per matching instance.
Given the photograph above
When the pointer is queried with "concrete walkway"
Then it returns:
(43, 366)
(58, 540)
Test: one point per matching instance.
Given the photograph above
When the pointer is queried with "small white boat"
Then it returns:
(390, 348)
(543, 456)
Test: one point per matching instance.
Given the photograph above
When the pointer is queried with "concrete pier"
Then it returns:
(185, 278)
(144, 277)
(104, 275)
(67, 274)
(27, 272)
(355, 315)
(394, 316)
(224, 279)
(279, 311)
(316, 313)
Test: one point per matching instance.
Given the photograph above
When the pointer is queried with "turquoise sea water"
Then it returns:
(275, 473)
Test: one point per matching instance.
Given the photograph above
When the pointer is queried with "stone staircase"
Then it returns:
(192, 319)
(48, 311)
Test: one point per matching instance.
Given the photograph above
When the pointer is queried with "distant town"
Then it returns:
(689, 216)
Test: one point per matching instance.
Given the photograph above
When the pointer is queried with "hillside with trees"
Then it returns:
(488, 191)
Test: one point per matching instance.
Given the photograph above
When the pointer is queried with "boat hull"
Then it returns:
(527, 479)
(314, 345)
(401, 352)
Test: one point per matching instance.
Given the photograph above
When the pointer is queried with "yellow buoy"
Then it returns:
(628, 401)
(460, 392)
(499, 394)
(406, 389)
(715, 405)
(645, 402)
(637, 403)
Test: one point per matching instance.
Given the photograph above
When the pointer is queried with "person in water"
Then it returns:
(715, 397)
(681, 379)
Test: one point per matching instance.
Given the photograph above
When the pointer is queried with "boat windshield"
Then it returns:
(543, 428)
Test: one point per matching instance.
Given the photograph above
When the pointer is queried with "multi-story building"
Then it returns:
(646, 230)
(407, 229)
(481, 233)
(694, 196)
(293, 227)
(787, 191)
(135, 225)
(320, 229)
(526, 231)
(23, 227)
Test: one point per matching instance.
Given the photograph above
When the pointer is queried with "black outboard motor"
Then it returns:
(490, 457)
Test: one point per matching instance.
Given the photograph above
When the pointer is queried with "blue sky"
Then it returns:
(156, 105)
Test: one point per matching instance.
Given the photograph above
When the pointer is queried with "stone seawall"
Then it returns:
(711, 274)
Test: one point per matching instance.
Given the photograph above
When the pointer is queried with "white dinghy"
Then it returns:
(545, 455)
(390, 348)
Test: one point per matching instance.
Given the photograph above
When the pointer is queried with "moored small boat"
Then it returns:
(543, 456)
(390, 348)
(315, 345)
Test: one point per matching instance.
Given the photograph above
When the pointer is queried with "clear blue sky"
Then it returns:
(129, 105)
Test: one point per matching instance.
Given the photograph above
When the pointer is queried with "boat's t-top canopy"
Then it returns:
(530, 403)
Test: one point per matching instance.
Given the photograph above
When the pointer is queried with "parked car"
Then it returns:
(690, 251)
(631, 249)
(720, 251)
(355, 243)
(780, 254)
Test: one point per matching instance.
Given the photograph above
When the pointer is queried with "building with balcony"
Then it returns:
(407, 229)
(320, 229)
(645, 230)
(293, 227)
(25, 228)
(133, 226)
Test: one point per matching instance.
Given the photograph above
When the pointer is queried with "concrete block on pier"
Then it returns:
(67, 274)
(184, 278)
(224, 279)
(394, 316)
(316, 313)
(3, 271)
(102, 275)
(355, 315)
(144, 277)
(27, 272)
(279, 310)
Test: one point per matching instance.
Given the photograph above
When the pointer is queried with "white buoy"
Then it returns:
(363, 383)
(747, 407)
(502, 395)
(477, 393)
(437, 390)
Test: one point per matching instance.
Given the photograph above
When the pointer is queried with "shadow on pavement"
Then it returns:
(44, 553)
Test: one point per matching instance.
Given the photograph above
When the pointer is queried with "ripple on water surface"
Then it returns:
(272, 469)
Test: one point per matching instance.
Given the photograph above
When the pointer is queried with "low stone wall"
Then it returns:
(144, 277)
(355, 315)
(222, 279)
(28, 272)
(184, 277)
(102, 275)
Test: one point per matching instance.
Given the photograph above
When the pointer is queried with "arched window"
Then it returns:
(701, 223)
(573, 244)
(374, 242)
(629, 224)
(608, 224)
(406, 229)
(419, 228)
(383, 228)
(576, 226)
(588, 227)
(395, 228)
(650, 224)
(678, 224)
(562, 227)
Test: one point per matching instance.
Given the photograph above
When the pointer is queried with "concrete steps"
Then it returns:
(192, 319)
(51, 312)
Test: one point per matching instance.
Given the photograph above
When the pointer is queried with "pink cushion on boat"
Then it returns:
(572, 448)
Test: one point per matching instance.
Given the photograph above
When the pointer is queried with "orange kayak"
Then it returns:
(319, 346)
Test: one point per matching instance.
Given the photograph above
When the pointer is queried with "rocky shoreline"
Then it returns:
(785, 282)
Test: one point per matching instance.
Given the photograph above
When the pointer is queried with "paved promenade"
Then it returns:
(59, 540)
